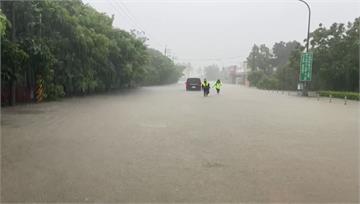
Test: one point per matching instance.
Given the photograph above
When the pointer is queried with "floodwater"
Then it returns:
(163, 144)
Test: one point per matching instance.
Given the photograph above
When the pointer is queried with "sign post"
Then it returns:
(306, 69)
(306, 66)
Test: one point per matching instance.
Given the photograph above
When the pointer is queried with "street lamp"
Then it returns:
(307, 41)
(308, 32)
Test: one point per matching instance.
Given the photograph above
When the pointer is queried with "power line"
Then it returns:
(120, 5)
(117, 7)
(129, 14)
(136, 20)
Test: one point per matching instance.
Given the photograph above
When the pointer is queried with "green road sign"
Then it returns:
(306, 66)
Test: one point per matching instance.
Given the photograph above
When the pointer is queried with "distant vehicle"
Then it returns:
(193, 84)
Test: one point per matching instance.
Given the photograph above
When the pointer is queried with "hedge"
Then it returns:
(340, 94)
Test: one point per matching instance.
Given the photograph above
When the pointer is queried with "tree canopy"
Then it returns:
(335, 64)
(74, 49)
(160, 69)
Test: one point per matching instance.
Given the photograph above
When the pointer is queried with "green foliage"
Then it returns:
(53, 92)
(13, 59)
(260, 58)
(335, 63)
(255, 77)
(288, 73)
(75, 50)
(3, 23)
(283, 51)
(160, 69)
(262, 80)
(274, 70)
(339, 94)
(336, 57)
(268, 82)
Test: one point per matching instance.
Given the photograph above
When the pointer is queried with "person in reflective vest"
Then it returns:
(206, 87)
(217, 86)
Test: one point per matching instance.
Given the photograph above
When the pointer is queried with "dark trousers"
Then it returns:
(206, 91)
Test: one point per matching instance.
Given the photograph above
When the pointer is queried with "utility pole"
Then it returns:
(165, 51)
(308, 31)
(34, 85)
(304, 91)
(13, 39)
(40, 21)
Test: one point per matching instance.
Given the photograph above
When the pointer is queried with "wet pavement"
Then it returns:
(163, 144)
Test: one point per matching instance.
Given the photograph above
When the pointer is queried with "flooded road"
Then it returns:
(162, 144)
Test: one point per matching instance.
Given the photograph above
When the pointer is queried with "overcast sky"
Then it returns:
(205, 32)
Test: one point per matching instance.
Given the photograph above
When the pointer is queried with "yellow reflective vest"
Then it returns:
(217, 85)
(205, 84)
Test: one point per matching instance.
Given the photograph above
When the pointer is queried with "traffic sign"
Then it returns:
(306, 66)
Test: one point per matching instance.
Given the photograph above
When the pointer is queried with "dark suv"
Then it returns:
(193, 84)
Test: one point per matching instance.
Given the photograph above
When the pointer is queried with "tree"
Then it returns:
(260, 58)
(74, 49)
(263, 64)
(282, 52)
(288, 74)
(3, 23)
(335, 60)
(255, 77)
(160, 69)
(336, 57)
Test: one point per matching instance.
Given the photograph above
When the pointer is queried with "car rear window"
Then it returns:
(193, 80)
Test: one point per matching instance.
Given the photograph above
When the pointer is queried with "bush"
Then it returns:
(340, 94)
(53, 92)
(268, 83)
(255, 77)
